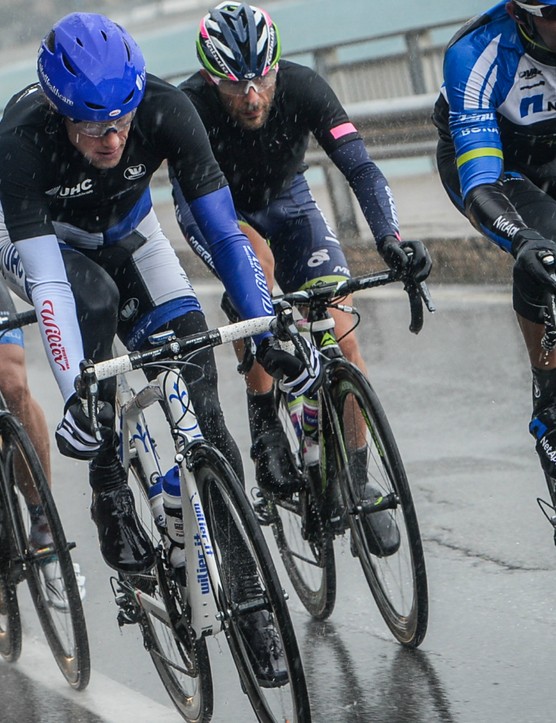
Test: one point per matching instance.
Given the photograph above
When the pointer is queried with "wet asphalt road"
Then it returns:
(458, 399)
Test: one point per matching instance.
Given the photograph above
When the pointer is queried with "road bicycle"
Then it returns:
(229, 573)
(548, 344)
(20, 470)
(352, 445)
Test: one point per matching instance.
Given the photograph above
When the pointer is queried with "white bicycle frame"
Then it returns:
(203, 578)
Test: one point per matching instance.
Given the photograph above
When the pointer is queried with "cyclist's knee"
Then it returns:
(13, 379)
(350, 347)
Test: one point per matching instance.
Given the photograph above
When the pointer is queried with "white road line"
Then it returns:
(111, 701)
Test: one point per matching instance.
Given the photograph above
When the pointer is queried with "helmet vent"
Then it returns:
(49, 41)
(69, 67)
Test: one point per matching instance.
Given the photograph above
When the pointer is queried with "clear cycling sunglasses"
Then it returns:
(98, 129)
(548, 12)
(242, 87)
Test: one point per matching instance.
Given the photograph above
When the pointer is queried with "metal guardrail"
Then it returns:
(393, 128)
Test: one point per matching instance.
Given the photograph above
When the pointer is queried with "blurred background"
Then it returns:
(384, 60)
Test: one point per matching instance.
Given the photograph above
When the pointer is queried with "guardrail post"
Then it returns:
(415, 61)
(341, 197)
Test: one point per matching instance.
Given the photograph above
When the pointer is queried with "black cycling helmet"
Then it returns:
(525, 12)
(238, 42)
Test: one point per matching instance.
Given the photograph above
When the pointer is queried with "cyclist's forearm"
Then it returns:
(232, 254)
(55, 306)
(492, 213)
(370, 188)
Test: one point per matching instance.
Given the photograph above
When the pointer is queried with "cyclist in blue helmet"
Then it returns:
(259, 111)
(496, 119)
(91, 69)
(79, 238)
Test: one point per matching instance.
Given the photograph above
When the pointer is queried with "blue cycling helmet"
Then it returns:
(238, 42)
(91, 69)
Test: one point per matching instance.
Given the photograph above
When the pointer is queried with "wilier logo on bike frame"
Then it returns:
(132, 173)
(129, 309)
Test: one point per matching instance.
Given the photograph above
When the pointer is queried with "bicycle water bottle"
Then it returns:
(157, 504)
(310, 416)
(295, 408)
(171, 497)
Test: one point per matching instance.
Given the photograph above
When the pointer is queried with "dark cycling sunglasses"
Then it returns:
(548, 12)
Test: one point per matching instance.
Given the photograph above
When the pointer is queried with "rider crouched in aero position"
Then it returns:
(258, 113)
(82, 241)
(497, 160)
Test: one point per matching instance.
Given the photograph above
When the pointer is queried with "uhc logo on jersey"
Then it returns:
(80, 189)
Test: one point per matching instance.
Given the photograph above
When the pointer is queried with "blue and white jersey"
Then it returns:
(501, 112)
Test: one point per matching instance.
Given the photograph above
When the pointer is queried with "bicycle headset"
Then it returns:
(91, 69)
(237, 41)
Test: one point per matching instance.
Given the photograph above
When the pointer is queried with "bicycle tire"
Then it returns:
(397, 581)
(304, 542)
(181, 661)
(232, 524)
(10, 619)
(65, 631)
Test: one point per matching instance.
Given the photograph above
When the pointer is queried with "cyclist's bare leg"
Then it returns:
(274, 466)
(356, 432)
(532, 335)
(15, 389)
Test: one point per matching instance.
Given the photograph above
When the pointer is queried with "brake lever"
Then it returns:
(86, 386)
(286, 330)
(548, 341)
(418, 293)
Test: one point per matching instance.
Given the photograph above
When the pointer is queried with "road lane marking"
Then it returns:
(105, 698)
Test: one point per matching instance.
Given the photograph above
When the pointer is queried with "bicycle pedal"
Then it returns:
(265, 513)
(127, 617)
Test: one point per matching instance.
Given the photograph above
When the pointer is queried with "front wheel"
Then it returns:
(305, 544)
(63, 622)
(256, 619)
(156, 601)
(374, 482)
(10, 621)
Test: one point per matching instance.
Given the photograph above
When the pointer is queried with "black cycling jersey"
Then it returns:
(264, 161)
(50, 180)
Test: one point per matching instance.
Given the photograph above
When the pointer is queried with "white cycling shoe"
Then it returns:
(54, 583)
(40, 538)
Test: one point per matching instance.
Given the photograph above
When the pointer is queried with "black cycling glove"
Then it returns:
(74, 435)
(289, 368)
(409, 257)
(530, 249)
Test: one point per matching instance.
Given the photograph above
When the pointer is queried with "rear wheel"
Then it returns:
(64, 628)
(304, 543)
(250, 594)
(367, 457)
